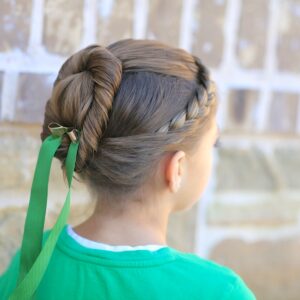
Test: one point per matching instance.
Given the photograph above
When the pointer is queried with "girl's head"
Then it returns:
(146, 112)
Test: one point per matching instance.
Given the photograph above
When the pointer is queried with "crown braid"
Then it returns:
(197, 108)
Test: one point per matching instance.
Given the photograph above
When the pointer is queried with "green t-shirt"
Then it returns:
(78, 272)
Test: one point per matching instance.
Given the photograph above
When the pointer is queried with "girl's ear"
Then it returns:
(174, 170)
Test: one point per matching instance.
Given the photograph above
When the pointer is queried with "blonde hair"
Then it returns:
(133, 101)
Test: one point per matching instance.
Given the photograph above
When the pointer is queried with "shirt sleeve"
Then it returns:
(8, 279)
(239, 291)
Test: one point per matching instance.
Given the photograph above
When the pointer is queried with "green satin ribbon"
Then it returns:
(34, 258)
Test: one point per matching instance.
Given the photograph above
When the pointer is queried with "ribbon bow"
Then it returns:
(34, 258)
(59, 130)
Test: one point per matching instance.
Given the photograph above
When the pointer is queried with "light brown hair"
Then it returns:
(134, 101)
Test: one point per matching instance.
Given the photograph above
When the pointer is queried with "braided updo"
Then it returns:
(133, 101)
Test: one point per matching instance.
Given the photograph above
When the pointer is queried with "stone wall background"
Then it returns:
(249, 217)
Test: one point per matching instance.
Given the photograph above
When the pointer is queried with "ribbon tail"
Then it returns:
(35, 218)
(29, 281)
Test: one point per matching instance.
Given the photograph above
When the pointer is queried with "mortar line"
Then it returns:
(186, 24)
(140, 18)
(89, 25)
(298, 117)
(36, 25)
(9, 92)
(270, 66)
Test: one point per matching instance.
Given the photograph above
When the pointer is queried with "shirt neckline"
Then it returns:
(126, 258)
(104, 246)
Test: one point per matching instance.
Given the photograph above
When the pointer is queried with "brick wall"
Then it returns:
(249, 217)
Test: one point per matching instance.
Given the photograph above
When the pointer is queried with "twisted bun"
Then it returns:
(133, 101)
(82, 97)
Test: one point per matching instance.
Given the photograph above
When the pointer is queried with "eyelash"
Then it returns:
(217, 144)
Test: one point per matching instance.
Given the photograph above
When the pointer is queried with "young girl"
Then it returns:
(136, 122)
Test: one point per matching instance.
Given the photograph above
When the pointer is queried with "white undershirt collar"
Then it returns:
(103, 246)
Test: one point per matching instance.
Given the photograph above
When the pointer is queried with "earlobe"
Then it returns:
(177, 185)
